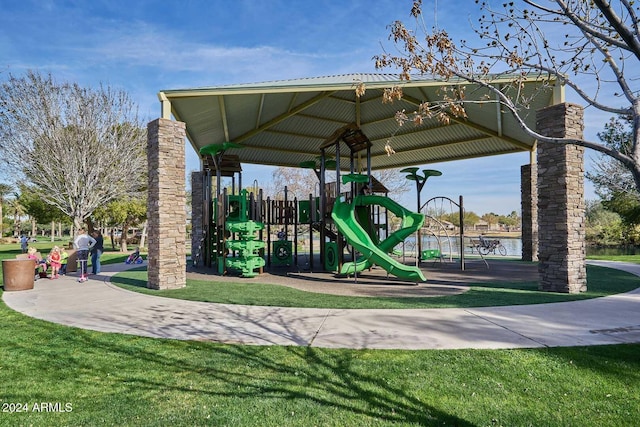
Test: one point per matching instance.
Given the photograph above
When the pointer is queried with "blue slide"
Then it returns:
(345, 219)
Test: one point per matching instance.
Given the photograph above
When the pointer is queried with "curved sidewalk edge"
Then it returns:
(100, 306)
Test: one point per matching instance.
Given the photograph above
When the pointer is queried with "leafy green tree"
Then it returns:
(124, 213)
(491, 218)
(613, 181)
(470, 218)
(511, 220)
(37, 209)
(603, 227)
(627, 208)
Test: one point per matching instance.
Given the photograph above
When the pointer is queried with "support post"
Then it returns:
(197, 210)
(561, 207)
(529, 206)
(166, 204)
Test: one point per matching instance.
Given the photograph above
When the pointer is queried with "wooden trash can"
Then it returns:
(72, 261)
(18, 274)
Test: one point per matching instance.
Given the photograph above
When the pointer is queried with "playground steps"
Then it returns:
(247, 245)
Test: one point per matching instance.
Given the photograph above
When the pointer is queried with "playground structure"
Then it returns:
(376, 252)
(246, 245)
(350, 217)
(444, 234)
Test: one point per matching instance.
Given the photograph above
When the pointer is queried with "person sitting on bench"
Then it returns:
(41, 264)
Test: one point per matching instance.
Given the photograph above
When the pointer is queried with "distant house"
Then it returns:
(481, 226)
(448, 225)
(436, 226)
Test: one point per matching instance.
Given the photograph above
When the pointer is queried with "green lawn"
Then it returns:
(44, 247)
(626, 258)
(601, 282)
(120, 380)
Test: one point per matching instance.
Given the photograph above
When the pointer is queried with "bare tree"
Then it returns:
(299, 182)
(613, 182)
(593, 47)
(609, 176)
(302, 182)
(395, 181)
(80, 147)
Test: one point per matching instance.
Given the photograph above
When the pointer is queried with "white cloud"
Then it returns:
(143, 48)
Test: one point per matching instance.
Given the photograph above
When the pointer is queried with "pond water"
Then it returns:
(514, 247)
(451, 244)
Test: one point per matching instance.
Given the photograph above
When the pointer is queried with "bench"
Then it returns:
(26, 256)
(474, 244)
(477, 244)
(72, 261)
(38, 260)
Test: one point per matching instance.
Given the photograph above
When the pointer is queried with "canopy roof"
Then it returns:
(285, 123)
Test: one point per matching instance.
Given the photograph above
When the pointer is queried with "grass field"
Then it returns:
(58, 375)
(602, 282)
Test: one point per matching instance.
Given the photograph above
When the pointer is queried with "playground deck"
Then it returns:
(442, 279)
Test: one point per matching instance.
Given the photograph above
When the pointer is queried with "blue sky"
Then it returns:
(144, 46)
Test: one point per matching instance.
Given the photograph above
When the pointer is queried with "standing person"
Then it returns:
(83, 242)
(55, 261)
(64, 259)
(24, 243)
(96, 252)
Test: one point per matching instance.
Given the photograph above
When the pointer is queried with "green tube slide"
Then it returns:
(345, 219)
(411, 221)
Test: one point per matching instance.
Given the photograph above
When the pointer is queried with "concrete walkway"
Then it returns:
(100, 306)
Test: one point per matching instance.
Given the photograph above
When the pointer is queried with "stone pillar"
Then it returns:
(166, 204)
(197, 210)
(561, 208)
(529, 205)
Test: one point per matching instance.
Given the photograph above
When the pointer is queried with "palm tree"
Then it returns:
(4, 190)
(18, 212)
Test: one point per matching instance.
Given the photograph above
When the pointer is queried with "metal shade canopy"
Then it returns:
(284, 123)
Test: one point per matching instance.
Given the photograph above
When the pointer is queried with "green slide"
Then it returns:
(344, 217)
(411, 221)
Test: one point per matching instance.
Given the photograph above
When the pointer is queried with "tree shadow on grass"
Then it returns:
(602, 281)
(145, 379)
(268, 385)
